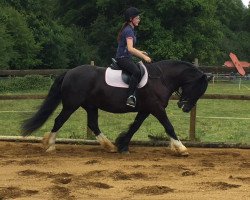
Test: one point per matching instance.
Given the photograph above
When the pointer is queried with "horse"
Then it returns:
(84, 86)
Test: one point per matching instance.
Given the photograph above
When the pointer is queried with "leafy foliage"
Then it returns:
(66, 33)
(21, 44)
(6, 48)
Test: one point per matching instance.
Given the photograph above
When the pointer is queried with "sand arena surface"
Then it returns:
(88, 172)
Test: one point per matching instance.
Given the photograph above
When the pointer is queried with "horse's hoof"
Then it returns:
(183, 151)
(125, 152)
(45, 140)
(178, 148)
(51, 149)
(109, 147)
(180, 154)
(112, 149)
(47, 144)
(184, 154)
(180, 151)
(105, 143)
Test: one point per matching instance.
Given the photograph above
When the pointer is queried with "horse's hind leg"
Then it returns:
(122, 141)
(50, 138)
(92, 121)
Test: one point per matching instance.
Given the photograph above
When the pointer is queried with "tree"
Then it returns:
(230, 13)
(58, 45)
(6, 48)
(236, 33)
(23, 47)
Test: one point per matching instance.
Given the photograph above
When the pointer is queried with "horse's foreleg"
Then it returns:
(93, 125)
(124, 138)
(175, 144)
(49, 139)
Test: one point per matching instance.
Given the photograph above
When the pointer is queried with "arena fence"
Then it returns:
(192, 126)
(213, 70)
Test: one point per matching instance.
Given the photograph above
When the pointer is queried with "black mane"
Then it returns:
(172, 67)
(164, 63)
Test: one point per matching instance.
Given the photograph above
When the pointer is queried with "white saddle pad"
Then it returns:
(114, 78)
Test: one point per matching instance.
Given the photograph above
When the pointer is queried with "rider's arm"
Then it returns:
(135, 51)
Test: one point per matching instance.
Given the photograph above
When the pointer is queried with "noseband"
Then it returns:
(182, 100)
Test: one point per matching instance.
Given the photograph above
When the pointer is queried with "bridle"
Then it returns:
(178, 93)
(182, 100)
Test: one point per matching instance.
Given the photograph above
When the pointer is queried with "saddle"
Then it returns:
(126, 76)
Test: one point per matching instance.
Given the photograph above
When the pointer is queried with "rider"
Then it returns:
(126, 40)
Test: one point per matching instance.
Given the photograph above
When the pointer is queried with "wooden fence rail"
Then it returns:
(206, 69)
(44, 72)
(192, 126)
(173, 97)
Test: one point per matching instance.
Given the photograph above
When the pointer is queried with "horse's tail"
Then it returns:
(48, 106)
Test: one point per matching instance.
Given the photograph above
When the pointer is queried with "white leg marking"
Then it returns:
(105, 143)
(177, 147)
(49, 140)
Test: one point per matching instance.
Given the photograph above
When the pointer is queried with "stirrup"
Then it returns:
(131, 101)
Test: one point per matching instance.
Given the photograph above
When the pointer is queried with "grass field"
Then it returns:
(217, 120)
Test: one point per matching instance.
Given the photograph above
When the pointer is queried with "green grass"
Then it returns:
(229, 88)
(208, 129)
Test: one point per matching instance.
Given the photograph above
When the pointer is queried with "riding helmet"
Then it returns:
(131, 13)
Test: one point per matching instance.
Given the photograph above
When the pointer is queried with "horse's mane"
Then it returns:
(164, 63)
(170, 66)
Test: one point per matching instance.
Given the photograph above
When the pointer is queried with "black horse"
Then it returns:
(84, 86)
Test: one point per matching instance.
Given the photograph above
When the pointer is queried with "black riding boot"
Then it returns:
(128, 65)
(131, 100)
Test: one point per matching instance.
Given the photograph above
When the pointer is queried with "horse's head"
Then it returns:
(191, 92)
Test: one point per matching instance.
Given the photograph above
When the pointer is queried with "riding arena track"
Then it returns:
(88, 172)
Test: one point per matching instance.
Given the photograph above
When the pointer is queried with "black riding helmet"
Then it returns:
(131, 13)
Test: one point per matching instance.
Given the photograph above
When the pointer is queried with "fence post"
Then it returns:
(240, 84)
(193, 113)
(196, 62)
(90, 134)
(192, 124)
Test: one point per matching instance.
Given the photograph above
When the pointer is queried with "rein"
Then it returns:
(159, 76)
(163, 80)
(158, 73)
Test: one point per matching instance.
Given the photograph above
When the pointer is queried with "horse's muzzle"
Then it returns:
(185, 106)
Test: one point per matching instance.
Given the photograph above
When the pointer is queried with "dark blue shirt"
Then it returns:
(122, 50)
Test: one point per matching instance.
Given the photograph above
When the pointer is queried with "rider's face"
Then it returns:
(136, 20)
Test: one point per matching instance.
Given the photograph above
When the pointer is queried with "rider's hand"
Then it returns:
(147, 59)
(145, 53)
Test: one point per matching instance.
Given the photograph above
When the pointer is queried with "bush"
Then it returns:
(27, 83)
